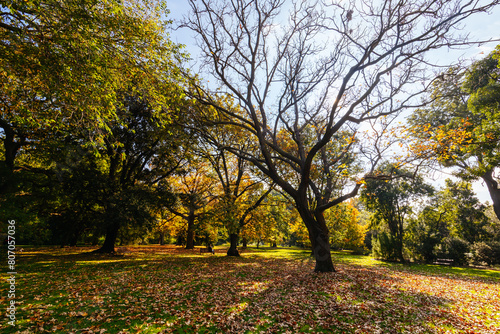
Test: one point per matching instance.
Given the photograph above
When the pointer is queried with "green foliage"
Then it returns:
(453, 213)
(463, 211)
(68, 68)
(488, 253)
(460, 126)
(390, 195)
(454, 248)
(492, 228)
(421, 238)
(384, 246)
(74, 58)
(483, 84)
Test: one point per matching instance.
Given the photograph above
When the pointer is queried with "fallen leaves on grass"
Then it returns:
(167, 289)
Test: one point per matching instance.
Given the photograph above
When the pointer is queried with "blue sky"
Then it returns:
(481, 26)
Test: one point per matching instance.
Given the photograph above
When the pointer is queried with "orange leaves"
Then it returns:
(445, 141)
(343, 223)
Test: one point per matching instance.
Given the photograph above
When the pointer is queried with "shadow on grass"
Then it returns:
(265, 290)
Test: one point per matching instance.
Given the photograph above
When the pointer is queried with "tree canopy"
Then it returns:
(460, 127)
(65, 63)
(91, 91)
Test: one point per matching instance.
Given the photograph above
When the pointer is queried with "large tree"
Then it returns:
(460, 127)
(64, 63)
(90, 74)
(321, 68)
(141, 150)
(113, 184)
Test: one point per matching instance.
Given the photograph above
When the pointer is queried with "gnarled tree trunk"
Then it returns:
(321, 251)
(399, 243)
(319, 237)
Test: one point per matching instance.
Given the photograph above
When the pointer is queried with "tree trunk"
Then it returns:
(109, 241)
(233, 249)
(399, 241)
(11, 147)
(190, 239)
(190, 231)
(322, 254)
(162, 238)
(492, 185)
(320, 241)
(245, 242)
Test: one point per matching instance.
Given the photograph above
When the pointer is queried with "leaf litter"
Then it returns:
(171, 290)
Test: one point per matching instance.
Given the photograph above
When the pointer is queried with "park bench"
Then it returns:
(446, 262)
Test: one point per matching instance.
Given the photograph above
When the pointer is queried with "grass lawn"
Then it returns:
(166, 289)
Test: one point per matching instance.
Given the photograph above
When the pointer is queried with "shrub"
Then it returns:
(488, 253)
(383, 246)
(360, 251)
(422, 246)
(481, 253)
(495, 245)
